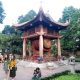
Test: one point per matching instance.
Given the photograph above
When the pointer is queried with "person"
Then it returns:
(37, 74)
(6, 66)
(34, 75)
(1, 58)
(12, 67)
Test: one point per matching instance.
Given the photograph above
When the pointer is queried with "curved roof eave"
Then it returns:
(40, 16)
(18, 25)
(49, 18)
(62, 24)
(21, 24)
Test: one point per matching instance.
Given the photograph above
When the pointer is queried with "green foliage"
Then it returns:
(69, 77)
(77, 71)
(71, 36)
(8, 30)
(2, 14)
(10, 39)
(68, 12)
(66, 75)
(3, 40)
(77, 60)
(55, 75)
(29, 16)
(53, 48)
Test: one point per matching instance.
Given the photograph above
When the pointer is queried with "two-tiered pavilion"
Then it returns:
(40, 31)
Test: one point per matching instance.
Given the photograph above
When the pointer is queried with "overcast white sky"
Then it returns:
(15, 8)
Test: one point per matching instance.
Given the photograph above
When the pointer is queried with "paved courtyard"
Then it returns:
(26, 73)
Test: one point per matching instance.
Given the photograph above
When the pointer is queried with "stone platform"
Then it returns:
(31, 64)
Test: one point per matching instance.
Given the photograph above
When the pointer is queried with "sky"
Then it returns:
(16, 8)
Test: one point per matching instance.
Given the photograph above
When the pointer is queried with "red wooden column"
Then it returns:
(41, 41)
(24, 48)
(59, 48)
(24, 38)
(41, 45)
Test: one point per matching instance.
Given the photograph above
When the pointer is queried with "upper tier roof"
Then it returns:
(41, 19)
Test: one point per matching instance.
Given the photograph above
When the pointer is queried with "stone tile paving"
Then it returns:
(24, 73)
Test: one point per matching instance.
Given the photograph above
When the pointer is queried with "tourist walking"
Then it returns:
(13, 68)
(6, 66)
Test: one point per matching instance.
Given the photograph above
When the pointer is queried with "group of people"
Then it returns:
(9, 66)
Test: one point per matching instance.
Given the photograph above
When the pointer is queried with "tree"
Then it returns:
(29, 16)
(3, 41)
(2, 14)
(13, 41)
(10, 39)
(71, 34)
(8, 30)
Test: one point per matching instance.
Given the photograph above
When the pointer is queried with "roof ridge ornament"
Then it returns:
(41, 8)
(42, 19)
(41, 3)
(41, 11)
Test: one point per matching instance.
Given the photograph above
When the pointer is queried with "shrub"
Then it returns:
(62, 75)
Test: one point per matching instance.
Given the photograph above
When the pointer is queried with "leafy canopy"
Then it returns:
(2, 14)
(10, 39)
(71, 36)
(29, 16)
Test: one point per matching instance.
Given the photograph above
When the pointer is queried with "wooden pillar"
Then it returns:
(24, 48)
(29, 48)
(41, 46)
(59, 48)
(41, 41)
(41, 33)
